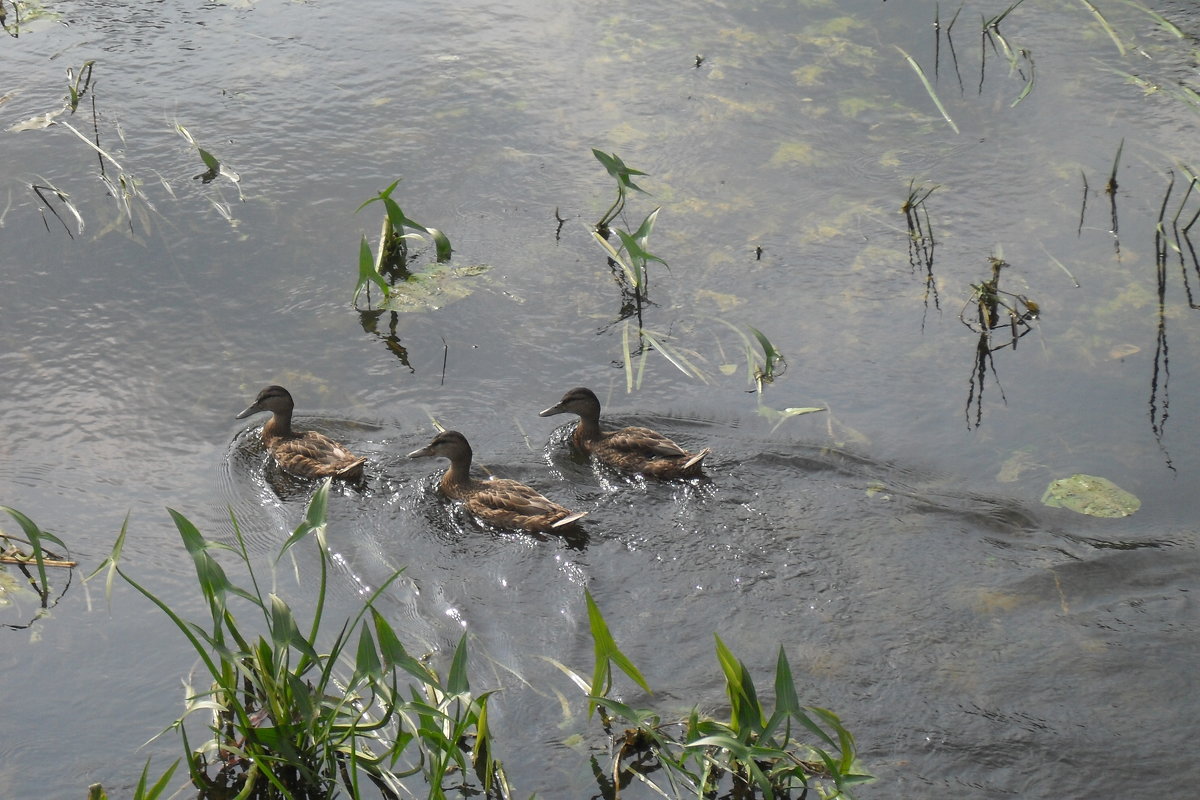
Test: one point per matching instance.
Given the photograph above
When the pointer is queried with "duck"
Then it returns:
(633, 449)
(308, 454)
(501, 502)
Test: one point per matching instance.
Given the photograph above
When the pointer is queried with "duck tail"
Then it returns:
(352, 471)
(695, 460)
(569, 519)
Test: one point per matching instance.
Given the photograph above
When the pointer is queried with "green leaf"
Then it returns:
(456, 682)
(283, 624)
(739, 686)
(616, 256)
(618, 169)
(142, 793)
(214, 585)
(606, 652)
(209, 160)
(366, 661)
(642, 235)
(394, 654)
(367, 272)
(676, 358)
(441, 244)
(636, 259)
(314, 519)
(35, 535)
(770, 354)
(397, 218)
(386, 193)
(929, 88)
(785, 687)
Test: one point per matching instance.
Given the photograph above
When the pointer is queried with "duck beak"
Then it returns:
(422, 453)
(552, 410)
(253, 409)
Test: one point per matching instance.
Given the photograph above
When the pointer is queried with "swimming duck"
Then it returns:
(632, 449)
(501, 502)
(305, 453)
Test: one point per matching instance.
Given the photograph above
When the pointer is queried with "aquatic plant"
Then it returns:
(990, 311)
(921, 242)
(63, 198)
(929, 88)
(78, 84)
(141, 791)
(396, 231)
(1112, 34)
(632, 256)
(213, 167)
(23, 11)
(622, 173)
(649, 340)
(27, 551)
(754, 752)
(298, 712)
(990, 308)
(764, 364)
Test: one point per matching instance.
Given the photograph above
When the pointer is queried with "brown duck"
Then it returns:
(501, 502)
(631, 449)
(305, 453)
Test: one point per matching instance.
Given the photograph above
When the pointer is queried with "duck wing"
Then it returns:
(511, 504)
(314, 455)
(644, 441)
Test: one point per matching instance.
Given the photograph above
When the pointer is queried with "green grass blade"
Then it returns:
(187, 629)
(1112, 34)
(366, 659)
(214, 584)
(770, 354)
(628, 358)
(641, 370)
(676, 358)
(1028, 84)
(606, 653)
(394, 654)
(1169, 26)
(110, 563)
(617, 257)
(929, 88)
(786, 699)
(743, 699)
(456, 681)
(379, 197)
(314, 518)
(441, 244)
(367, 273)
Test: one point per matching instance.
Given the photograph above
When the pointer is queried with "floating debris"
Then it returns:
(1091, 495)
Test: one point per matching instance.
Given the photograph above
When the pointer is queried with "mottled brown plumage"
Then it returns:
(501, 502)
(631, 449)
(305, 453)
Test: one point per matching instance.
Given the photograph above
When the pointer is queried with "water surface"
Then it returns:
(977, 643)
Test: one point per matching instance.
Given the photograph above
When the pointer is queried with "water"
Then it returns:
(977, 643)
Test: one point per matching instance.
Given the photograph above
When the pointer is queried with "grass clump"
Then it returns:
(303, 709)
(754, 752)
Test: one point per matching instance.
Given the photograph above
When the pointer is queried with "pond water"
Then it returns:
(976, 642)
